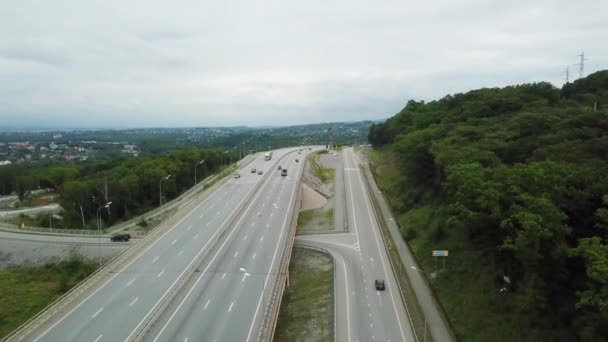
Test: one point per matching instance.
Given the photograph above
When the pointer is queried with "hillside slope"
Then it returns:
(514, 182)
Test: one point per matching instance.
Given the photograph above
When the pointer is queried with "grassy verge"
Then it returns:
(315, 220)
(325, 175)
(24, 291)
(307, 312)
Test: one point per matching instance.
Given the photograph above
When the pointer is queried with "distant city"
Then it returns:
(31, 146)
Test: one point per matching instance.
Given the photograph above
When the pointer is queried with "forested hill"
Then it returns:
(514, 181)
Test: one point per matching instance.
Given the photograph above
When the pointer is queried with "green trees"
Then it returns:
(521, 173)
(131, 184)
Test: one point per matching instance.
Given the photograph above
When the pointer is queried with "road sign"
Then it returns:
(440, 253)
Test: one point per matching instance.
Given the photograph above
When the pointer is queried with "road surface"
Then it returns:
(228, 300)
(119, 308)
(362, 313)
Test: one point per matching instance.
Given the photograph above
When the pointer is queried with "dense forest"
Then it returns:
(514, 182)
(131, 184)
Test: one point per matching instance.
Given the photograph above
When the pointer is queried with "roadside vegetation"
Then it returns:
(26, 290)
(307, 308)
(513, 183)
(326, 175)
(131, 184)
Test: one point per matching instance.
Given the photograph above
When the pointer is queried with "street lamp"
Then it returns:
(160, 186)
(195, 165)
(99, 230)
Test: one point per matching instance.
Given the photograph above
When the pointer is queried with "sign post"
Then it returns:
(440, 253)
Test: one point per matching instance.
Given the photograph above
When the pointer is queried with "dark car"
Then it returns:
(297, 160)
(284, 172)
(121, 237)
(279, 168)
(380, 285)
(253, 170)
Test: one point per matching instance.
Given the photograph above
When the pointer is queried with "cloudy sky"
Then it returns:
(120, 63)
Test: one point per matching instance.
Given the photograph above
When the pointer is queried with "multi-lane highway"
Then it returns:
(362, 313)
(126, 301)
(228, 299)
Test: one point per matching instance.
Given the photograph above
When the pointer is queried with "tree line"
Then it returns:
(521, 174)
(131, 184)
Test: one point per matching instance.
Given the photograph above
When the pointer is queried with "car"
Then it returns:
(253, 170)
(297, 160)
(260, 172)
(310, 148)
(237, 175)
(279, 168)
(299, 152)
(380, 285)
(284, 172)
(120, 237)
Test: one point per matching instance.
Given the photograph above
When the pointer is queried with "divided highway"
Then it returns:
(362, 313)
(228, 299)
(124, 303)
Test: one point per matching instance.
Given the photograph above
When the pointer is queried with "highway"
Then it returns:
(362, 313)
(123, 304)
(228, 299)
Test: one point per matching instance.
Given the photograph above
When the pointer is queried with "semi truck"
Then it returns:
(267, 155)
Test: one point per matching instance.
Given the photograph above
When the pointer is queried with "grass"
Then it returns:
(325, 175)
(307, 312)
(26, 290)
(315, 220)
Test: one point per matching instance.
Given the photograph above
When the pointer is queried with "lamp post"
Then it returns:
(160, 191)
(99, 230)
(195, 165)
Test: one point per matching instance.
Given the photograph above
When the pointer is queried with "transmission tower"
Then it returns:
(330, 138)
(567, 74)
(581, 64)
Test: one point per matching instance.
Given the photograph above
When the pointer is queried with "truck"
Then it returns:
(267, 155)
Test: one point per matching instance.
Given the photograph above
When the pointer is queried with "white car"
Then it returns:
(237, 175)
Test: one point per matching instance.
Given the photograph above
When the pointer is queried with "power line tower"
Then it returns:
(330, 138)
(581, 64)
(567, 74)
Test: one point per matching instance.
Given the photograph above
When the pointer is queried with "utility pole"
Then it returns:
(567, 75)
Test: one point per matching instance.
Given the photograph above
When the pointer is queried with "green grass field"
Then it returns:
(24, 291)
(307, 312)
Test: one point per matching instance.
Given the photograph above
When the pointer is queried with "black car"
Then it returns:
(297, 160)
(380, 285)
(120, 237)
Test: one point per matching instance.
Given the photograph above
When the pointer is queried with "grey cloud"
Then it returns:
(36, 54)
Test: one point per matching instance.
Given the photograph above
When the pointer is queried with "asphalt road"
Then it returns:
(362, 313)
(19, 248)
(117, 309)
(228, 299)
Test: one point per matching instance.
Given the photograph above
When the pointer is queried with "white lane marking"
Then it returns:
(209, 301)
(134, 301)
(275, 205)
(211, 262)
(180, 252)
(130, 282)
(262, 238)
(207, 224)
(372, 260)
(271, 214)
(189, 227)
(236, 253)
(253, 257)
(375, 229)
(155, 259)
(98, 338)
(161, 273)
(186, 339)
(291, 199)
(203, 214)
(245, 238)
(259, 213)
(129, 264)
(97, 313)
(263, 204)
(173, 243)
(379, 298)
(267, 225)
(231, 305)
(245, 275)
(196, 236)
(252, 224)
(223, 275)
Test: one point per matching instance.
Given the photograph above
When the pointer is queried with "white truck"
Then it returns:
(267, 155)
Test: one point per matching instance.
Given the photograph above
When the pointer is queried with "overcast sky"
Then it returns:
(120, 63)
